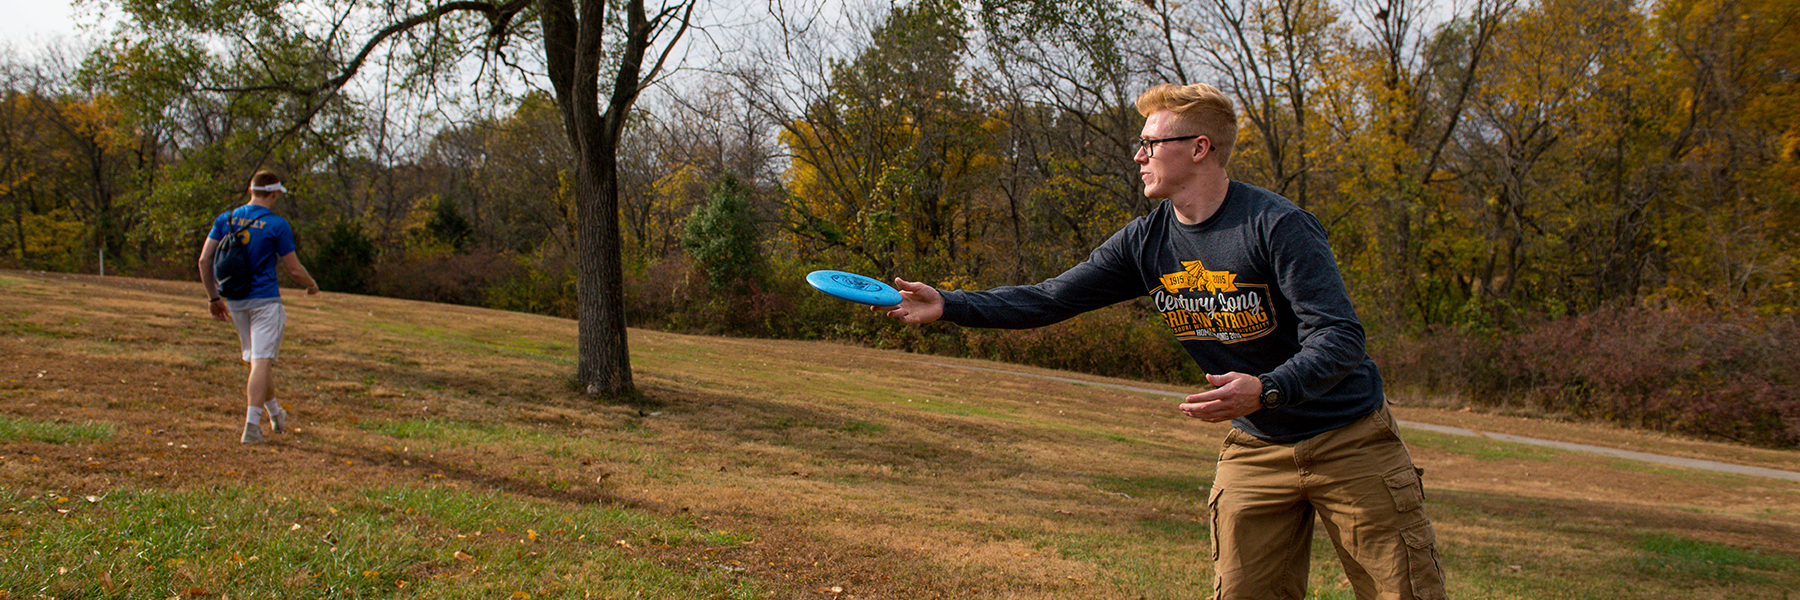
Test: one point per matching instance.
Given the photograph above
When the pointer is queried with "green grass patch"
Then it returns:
(467, 342)
(958, 409)
(855, 426)
(13, 429)
(1148, 486)
(1126, 439)
(1481, 448)
(1666, 556)
(19, 327)
(1132, 568)
(406, 542)
(454, 433)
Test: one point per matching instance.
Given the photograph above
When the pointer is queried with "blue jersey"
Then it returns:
(268, 239)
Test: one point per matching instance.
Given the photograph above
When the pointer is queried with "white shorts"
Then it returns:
(259, 328)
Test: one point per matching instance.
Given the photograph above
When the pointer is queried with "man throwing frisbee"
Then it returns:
(1248, 284)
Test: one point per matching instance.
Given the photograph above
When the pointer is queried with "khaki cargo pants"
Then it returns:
(1361, 482)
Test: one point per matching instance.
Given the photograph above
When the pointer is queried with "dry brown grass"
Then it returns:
(842, 468)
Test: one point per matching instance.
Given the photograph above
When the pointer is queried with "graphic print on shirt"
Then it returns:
(1211, 305)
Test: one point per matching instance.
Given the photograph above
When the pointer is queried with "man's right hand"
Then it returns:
(219, 310)
(919, 303)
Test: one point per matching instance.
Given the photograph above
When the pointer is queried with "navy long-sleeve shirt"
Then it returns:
(1252, 289)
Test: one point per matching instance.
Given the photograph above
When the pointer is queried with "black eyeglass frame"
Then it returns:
(1148, 147)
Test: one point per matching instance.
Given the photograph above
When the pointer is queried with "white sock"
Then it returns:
(255, 415)
(271, 406)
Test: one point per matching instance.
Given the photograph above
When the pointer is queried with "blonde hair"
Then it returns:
(1201, 106)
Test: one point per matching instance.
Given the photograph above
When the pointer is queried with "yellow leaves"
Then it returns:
(58, 232)
(96, 119)
(20, 174)
(687, 181)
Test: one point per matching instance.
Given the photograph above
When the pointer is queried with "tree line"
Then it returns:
(1510, 186)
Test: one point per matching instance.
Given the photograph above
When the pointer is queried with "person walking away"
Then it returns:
(1248, 284)
(257, 315)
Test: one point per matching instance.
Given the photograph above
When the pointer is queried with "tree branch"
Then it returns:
(318, 96)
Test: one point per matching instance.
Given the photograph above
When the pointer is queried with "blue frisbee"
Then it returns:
(853, 287)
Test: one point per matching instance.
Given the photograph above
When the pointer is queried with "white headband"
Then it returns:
(273, 187)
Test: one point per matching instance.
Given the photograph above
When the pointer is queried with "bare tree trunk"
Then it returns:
(574, 32)
(604, 358)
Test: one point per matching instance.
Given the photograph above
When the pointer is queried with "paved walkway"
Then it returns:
(1676, 461)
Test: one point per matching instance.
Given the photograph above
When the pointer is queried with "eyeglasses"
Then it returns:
(1148, 147)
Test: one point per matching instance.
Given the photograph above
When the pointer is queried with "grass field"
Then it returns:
(440, 453)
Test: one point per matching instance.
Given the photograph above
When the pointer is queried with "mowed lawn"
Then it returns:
(440, 453)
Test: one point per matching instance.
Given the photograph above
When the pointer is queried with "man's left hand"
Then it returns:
(1234, 395)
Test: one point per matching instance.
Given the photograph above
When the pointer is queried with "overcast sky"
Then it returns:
(26, 24)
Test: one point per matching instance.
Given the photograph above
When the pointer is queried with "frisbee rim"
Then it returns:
(823, 280)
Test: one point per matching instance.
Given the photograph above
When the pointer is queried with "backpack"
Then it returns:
(231, 263)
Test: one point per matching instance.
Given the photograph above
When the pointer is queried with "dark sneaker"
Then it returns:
(253, 434)
(278, 421)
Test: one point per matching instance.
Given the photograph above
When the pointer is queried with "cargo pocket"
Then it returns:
(1212, 516)
(1422, 562)
(1403, 483)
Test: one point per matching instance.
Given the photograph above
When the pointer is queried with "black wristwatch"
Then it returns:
(1271, 395)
